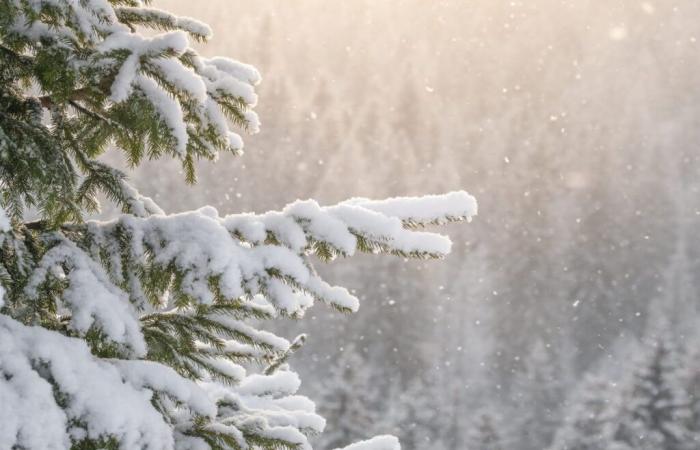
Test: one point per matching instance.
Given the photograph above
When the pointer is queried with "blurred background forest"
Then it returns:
(577, 126)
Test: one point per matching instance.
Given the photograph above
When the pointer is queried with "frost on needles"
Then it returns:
(144, 332)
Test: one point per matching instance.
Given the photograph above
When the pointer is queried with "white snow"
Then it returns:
(183, 77)
(169, 109)
(203, 244)
(426, 209)
(376, 443)
(188, 24)
(92, 298)
(140, 205)
(322, 226)
(93, 389)
(161, 378)
(275, 342)
(279, 384)
(5, 224)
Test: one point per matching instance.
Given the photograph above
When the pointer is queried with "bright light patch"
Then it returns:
(618, 33)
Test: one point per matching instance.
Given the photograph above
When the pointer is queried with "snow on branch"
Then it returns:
(212, 258)
(377, 443)
(97, 402)
(177, 290)
(193, 99)
(425, 210)
(90, 296)
(271, 399)
(163, 20)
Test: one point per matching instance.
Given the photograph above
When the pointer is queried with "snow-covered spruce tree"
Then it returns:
(537, 394)
(692, 383)
(591, 417)
(656, 412)
(486, 431)
(139, 332)
(349, 398)
(414, 413)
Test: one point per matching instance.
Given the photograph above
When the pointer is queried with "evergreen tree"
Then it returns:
(350, 399)
(415, 413)
(537, 394)
(692, 383)
(139, 332)
(649, 408)
(591, 417)
(486, 432)
(466, 356)
(656, 413)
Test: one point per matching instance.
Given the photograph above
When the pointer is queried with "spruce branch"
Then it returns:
(297, 343)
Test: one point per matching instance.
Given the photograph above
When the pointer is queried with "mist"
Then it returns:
(576, 124)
